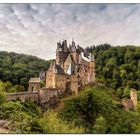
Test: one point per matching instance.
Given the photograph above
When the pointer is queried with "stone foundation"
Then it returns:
(47, 93)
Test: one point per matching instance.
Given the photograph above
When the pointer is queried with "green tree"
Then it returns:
(2, 98)
(100, 125)
(50, 123)
(126, 92)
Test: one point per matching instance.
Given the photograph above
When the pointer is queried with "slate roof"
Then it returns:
(70, 57)
(59, 69)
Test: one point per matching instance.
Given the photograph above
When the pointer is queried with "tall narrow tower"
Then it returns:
(92, 69)
(61, 52)
(133, 96)
(58, 53)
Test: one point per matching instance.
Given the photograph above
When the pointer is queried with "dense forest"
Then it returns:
(16, 70)
(118, 67)
(95, 109)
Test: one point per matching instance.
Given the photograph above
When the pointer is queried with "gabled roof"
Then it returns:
(58, 68)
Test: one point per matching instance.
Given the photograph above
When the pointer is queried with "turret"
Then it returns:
(73, 43)
(59, 47)
(58, 52)
(64, 46)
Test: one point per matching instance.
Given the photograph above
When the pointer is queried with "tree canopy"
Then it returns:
(117, 66)
(18, 68)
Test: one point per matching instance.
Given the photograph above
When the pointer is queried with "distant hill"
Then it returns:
(18, 68)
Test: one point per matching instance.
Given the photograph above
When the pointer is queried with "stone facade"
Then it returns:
(41, 97)
(127, 104)
(130, 104)
(72, 69)
(46, 94)
(34, 85)
(133, 96)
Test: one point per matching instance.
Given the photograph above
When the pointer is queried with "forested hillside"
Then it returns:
(118, 67)
(93, 110)
(96, 109)
(18, 68)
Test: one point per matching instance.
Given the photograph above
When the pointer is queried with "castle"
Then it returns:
(72, 69)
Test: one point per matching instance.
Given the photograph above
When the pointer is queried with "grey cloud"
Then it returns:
(35, 28)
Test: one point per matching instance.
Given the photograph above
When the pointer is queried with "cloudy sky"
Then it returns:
(35, 28)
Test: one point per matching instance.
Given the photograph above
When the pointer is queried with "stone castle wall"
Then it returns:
(50, 79)
(23, 96)
(60, 81)
(43, 96)
(130, 104)
(47, 93)
(74, 84)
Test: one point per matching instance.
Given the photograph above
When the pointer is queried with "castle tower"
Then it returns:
(92, 69)
(73, 51)
(61, 52)
(34, 85)
(133, 96)
(54, 77)
(58, 53)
